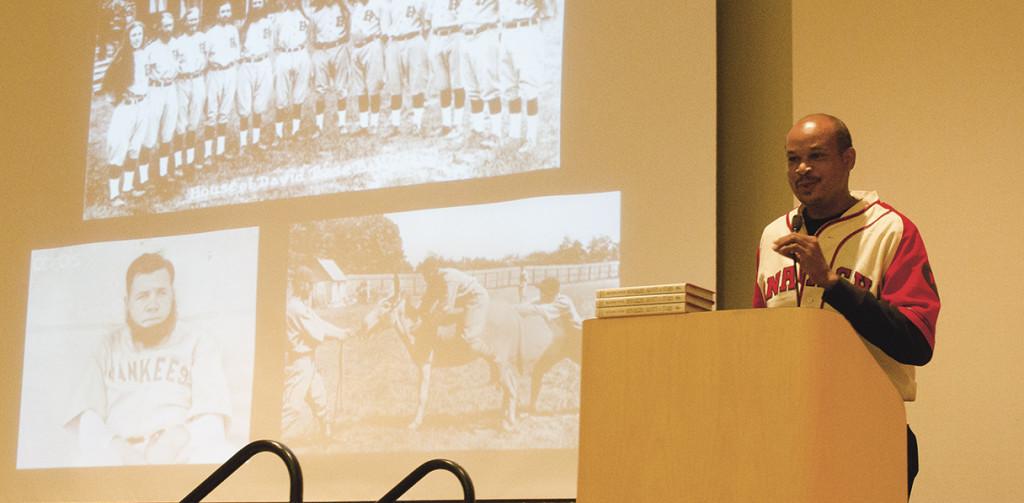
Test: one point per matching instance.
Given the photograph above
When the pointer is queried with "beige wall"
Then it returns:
(934, 95)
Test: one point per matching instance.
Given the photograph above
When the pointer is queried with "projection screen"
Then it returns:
(370, 229)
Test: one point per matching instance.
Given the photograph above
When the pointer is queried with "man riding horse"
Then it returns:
(453, 296)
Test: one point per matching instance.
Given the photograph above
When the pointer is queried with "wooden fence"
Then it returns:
(370, 287)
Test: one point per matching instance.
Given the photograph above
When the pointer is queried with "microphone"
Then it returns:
(796, 222)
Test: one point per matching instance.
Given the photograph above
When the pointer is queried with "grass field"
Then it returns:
(379, 389)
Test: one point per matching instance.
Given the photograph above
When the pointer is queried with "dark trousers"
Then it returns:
(911, 460)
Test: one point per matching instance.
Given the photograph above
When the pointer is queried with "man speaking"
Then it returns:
(852, 253)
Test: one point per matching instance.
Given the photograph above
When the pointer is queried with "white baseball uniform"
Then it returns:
(877, 250)
(445, 38)
(367, 55)
(406, 55)
(142, 392)
(292, 64)
(256, 74)
(330, 49)
(480, 51)
(521, 49)
(162, 70)
(190, 51)
(223, 51)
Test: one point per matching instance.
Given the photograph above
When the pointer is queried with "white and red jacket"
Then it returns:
(887, 290)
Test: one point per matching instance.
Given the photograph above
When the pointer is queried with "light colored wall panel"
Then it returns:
(934, 95)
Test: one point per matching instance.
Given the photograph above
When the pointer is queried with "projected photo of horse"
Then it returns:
(411, 332)
(220, 102)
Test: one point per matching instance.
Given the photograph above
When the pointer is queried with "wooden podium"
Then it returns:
(758, 405)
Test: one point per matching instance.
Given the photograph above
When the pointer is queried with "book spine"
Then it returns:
(642, 299)
(641, 290)
(611, 312)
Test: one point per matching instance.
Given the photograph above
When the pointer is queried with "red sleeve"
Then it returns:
(758, 301)
(909, 284)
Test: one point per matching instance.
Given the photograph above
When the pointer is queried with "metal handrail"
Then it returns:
(410, 480)
(235, 462)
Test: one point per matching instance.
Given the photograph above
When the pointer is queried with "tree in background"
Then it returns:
(602, 249)
(569, 251)
(361, 245)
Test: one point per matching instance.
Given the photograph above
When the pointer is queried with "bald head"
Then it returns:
(834, 125)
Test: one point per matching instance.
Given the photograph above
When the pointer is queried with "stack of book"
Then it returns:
(654, 299)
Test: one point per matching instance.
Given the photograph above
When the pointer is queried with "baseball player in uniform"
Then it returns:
(559, 311)
(852, 253)
(128, 85)
(480, 53)
(162, 70)
(304, 387)
(367, 70)
(255, 75)
(291, 67)
(331, 58)
(190, 51)
(405, 59)
(554, 306)
(155, 391)
(223, 51)
(522, 46)
(444, 51)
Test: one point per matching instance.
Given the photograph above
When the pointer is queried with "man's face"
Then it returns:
(135, 36)
(167, 24)
(150, 298)
(224, 13)
(257, 4)
(818, 173)
(192, 19)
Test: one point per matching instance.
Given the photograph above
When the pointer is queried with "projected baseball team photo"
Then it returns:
(446, 329)
(204, 103)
